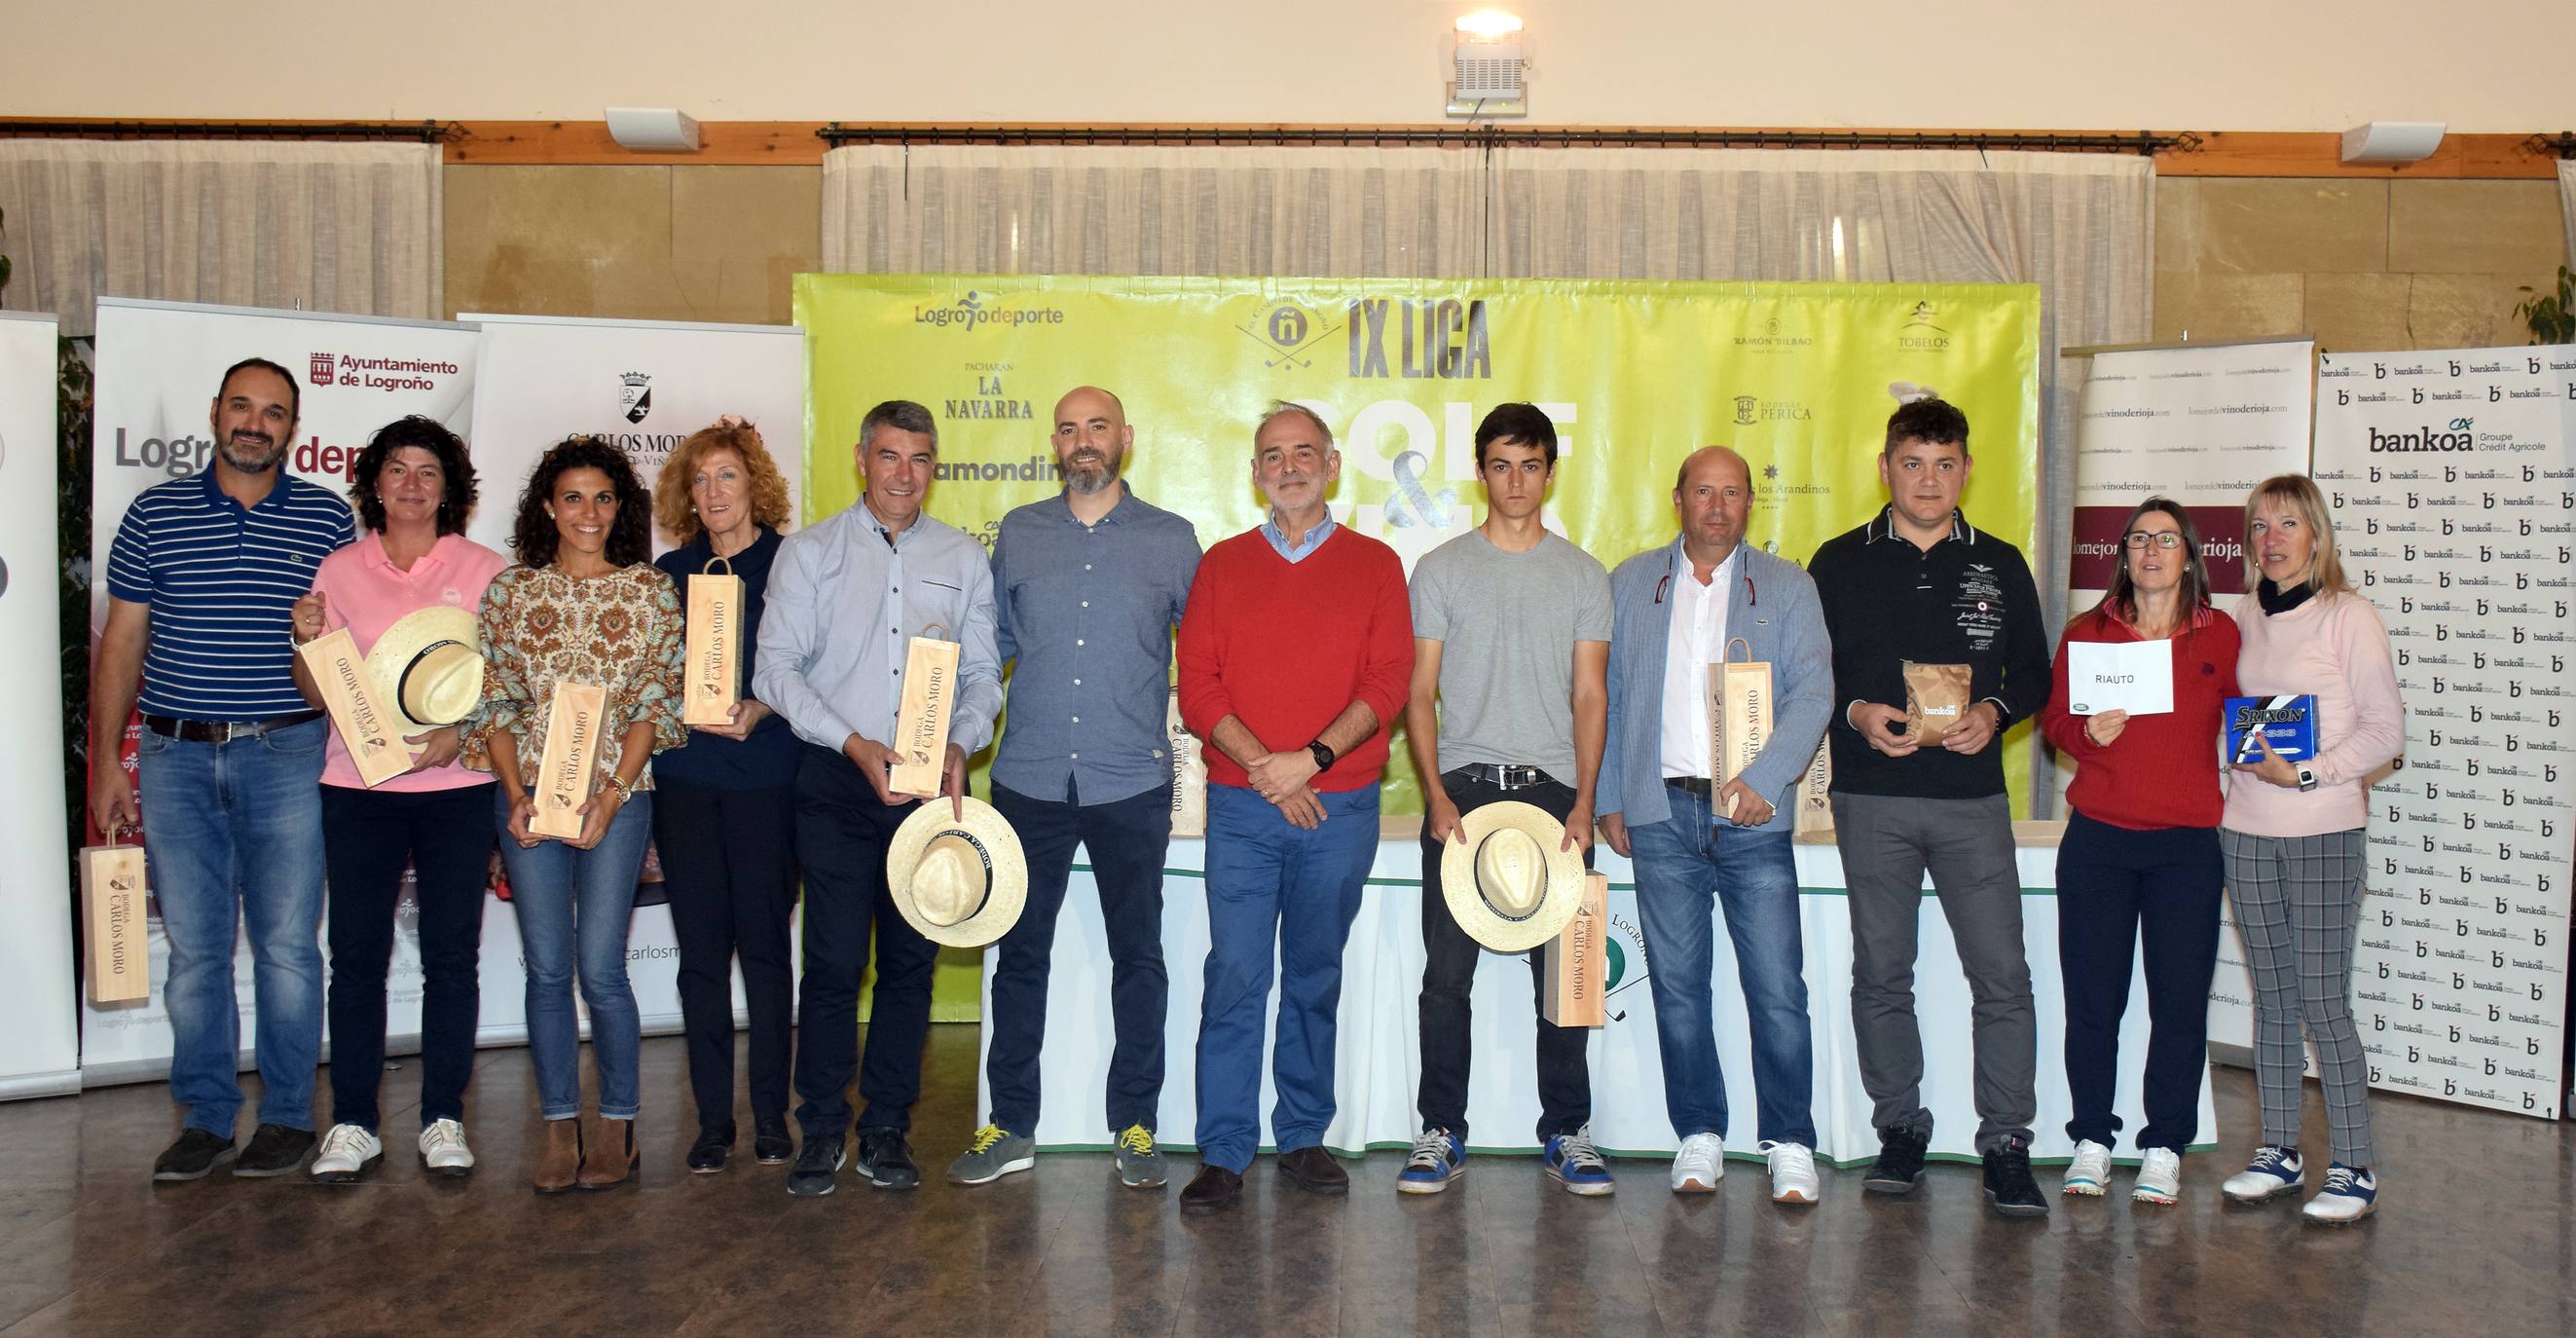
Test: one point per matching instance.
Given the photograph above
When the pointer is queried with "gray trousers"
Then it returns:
(2298, 904)
(1888, 843)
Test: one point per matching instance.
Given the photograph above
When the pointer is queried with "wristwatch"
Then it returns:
(1323, 755)
(2307, 778)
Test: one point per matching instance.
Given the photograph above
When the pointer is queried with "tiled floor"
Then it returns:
(2476, 1237)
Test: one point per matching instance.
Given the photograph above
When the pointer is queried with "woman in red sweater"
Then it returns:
(2141, 852)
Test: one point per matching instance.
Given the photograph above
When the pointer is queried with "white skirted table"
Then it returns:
(1378, 1059)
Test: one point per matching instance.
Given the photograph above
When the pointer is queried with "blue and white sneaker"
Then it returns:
(2349, 1196)
(1438, 1158)
(1573, 1162)
(2275, 1170)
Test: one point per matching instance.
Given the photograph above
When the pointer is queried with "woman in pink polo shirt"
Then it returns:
(2292, 837)
(413, 487)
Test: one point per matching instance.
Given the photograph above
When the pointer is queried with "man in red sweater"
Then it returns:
(1295, 651)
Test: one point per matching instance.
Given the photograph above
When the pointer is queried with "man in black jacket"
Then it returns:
(1918, 584)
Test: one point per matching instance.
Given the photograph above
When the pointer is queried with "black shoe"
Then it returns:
(818, 1166)
(2009, 1188)
(1212, 1188)
(197, 1153)
(770, 1145)
(274, 1150)
(886, 1160)
(1314, 1170)
(1900, 1161)
(709, 1154)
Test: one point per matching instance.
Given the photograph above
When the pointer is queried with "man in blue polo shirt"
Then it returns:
(1087, 586)
(201, 580)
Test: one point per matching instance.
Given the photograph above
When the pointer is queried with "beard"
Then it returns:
(1089, 472)
(251, 456)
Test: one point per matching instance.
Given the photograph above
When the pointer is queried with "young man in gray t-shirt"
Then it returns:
(1511, 629)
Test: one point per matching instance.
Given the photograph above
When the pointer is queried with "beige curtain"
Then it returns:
(2567, 204)
(1218, 211)
(327, 227)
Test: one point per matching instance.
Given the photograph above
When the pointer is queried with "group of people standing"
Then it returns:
(1524, 671)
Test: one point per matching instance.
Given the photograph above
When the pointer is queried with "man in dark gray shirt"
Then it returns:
(1088, 585)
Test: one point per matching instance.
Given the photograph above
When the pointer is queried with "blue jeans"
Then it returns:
(233, 833)
(576, 903)
(1681, 863)
(1273, 884)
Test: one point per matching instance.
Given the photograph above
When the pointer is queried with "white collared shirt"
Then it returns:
(1697, 640)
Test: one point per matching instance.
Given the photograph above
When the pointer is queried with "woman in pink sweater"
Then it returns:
(2292, 837)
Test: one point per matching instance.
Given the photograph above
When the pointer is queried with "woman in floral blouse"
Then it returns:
(585, 606)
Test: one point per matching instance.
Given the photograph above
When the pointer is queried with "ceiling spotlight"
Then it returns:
(1487, 66)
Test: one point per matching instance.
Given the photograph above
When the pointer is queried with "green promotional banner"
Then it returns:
(1798, 377)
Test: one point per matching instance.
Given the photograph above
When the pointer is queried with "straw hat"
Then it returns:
(1509, 885)
(960, 881)
(429, 666)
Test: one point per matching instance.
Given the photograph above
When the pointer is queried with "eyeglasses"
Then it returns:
(2137, 540)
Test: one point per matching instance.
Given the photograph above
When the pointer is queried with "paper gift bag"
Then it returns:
(1576, 963)
(921, 722)
(120, 969)
(1739, 714)
(1189, 774)
(563, 780)
(356, 707)
(1936, 696)
(714, 672)
(1815, 793)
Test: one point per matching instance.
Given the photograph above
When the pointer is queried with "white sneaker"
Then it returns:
(2159, 1177)
(2274, 1170)
(348, 1153)
(2090, 1173)
(2349, 1196)
(1699, 1165)
(1793, 1173)
(443, 1150)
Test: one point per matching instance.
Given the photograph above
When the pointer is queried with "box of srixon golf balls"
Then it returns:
(2290, 723)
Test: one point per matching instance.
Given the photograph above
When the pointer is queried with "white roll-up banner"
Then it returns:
(2199, 424)
(40, 1046)
(2451, 482)
(644, 386)
(160, 365)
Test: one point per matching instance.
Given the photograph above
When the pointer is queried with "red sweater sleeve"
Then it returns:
(1199, 646)
(1386, 678)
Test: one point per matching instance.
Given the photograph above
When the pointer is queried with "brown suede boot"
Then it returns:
(608, 1153)
(560, 1165)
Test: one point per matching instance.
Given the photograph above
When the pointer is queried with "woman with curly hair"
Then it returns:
(583, 606)
(724, 823)
(414, 488)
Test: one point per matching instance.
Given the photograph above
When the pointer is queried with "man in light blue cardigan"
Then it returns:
(1676, 609)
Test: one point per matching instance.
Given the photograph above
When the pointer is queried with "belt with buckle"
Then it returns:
(1698, 785)
(1502, 777)
(223, 731)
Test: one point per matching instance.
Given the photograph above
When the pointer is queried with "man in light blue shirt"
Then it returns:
(827, 667)
(1088, 585)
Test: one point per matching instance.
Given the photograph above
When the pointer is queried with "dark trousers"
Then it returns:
(842, 830)
(367, 837)
(1449, 978)
(1126, 839)
(729, 868)
(2112, 884)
